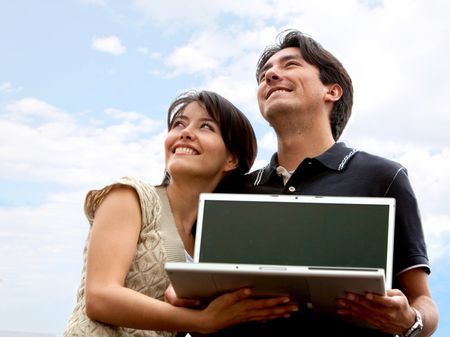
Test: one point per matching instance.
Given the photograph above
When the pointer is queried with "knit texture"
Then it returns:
(146, 274)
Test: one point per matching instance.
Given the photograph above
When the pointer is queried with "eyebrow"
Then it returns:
(208, 119)
(186, 118)
(285, 58)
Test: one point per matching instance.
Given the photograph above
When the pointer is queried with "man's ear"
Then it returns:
(334, 93)
(232, 163)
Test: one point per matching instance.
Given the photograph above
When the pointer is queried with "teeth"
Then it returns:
(278, 90)
(185, 150)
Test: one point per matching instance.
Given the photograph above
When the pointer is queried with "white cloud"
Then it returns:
(52, 146)
(111, 45)
(44, 246)
(437, 234)
(180, 13)
(215, 49)
(34, 111)
(7, 87)
(185, 15)
(268, 142)
(27, 230)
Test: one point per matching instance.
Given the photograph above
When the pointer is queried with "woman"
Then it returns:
(136, 228)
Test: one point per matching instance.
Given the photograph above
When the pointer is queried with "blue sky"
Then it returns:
(84, 88)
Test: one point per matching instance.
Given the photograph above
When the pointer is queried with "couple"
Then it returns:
(306, 95)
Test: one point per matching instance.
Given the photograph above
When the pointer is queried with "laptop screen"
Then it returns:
(335, 232)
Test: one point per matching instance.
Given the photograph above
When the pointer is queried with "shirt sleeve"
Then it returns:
(409, 243)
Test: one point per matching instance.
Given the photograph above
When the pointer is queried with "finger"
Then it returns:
(267, 314)
(235, 296)
(393, 297)
(267, 318)
(271, 302)
(370, 312)
(366, 302)
(355, 305)
(266, 309)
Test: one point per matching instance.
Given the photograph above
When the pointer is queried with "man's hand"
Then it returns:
(390, 313)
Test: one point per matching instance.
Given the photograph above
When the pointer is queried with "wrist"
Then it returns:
(200, 322)
(416, 328)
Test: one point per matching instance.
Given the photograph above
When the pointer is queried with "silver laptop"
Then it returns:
(311, 248)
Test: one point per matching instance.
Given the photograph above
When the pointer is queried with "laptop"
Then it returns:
(311, 248)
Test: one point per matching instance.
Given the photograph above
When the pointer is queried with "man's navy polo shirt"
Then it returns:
(343, 171)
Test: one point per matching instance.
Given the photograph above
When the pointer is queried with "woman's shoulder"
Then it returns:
(145, 191)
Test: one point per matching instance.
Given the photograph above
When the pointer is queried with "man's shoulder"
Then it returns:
(368, 160)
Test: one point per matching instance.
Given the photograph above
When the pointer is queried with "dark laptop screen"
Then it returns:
(295, 233)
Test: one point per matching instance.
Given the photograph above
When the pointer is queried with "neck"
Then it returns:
(183, 195)
(302, 134)
(294, 148)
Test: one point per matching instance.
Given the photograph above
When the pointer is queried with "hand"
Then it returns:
(390, 313)
(171, 297)
(237, 307)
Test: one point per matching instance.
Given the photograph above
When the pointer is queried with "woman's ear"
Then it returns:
(334, 93)
(232, 163)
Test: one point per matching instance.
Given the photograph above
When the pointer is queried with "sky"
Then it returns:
(85, 86)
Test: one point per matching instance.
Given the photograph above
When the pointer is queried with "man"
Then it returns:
(306, 95)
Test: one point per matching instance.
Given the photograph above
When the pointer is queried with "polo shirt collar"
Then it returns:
(335, 158)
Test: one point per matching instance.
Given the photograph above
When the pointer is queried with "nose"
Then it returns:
(187, 133)
(272, 75)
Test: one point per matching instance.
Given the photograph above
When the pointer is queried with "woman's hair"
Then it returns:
(236, 130)
(330, 69)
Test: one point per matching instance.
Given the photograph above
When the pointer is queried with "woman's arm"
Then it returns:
(111, 249)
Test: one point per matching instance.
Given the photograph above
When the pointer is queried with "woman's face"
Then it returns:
(195, 147)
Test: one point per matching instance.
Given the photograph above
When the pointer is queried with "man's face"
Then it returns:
(288, 83)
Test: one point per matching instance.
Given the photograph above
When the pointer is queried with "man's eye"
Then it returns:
(292, 64)
(262, 77)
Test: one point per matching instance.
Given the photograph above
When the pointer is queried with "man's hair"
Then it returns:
(331, 71)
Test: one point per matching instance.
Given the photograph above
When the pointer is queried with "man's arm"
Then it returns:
(415, 286)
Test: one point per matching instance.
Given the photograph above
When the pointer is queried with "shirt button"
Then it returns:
(291, 189)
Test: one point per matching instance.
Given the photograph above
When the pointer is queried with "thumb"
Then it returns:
(241, 294)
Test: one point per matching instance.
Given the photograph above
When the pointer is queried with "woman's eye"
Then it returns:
(177, 124)
(207, 126)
